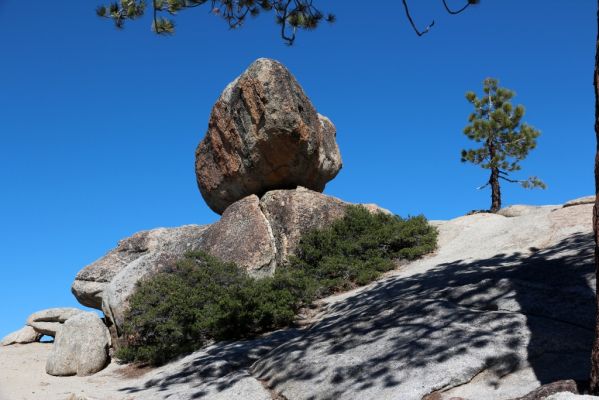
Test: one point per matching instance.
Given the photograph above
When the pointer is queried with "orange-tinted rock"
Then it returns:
(264, 134)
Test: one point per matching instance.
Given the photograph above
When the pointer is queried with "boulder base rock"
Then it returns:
(264, 134)
(291, 213)
(243, 236)
(24, 335)
(49, 321)
(81, 347)
(580, 201)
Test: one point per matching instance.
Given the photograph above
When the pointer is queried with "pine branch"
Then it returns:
(418, 32)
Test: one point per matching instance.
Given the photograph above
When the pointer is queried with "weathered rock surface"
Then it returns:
(264, 134)
(567, 386)
(155, 250)
(24, 335)
(80, 348)
(92, 280)
(570, 396)
(580, 201)
(49, 321)
(505, 305)
(243, 236)
(520, 210)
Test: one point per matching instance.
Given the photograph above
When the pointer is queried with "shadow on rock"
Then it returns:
(413, 335)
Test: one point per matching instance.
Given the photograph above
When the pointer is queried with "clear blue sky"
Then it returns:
(98, 127)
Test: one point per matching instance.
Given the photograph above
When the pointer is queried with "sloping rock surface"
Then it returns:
(81, 347)
(264, 134)
(506, 305)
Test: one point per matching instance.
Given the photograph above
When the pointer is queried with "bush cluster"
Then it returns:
(203, 299)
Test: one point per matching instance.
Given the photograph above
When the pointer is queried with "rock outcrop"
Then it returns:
(256, 234)
(24, 335)
(49, 321)
(92, 280)
(80, 348)
(150, 252)
(264, 134)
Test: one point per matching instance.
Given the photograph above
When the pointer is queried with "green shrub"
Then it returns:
(356, 250)
(204, 299)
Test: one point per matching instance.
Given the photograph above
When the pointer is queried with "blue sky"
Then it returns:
(98, 127)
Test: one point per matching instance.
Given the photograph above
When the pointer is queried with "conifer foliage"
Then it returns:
(291, 15)
(505, 139)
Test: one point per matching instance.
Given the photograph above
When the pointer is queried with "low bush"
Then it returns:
(203, 299)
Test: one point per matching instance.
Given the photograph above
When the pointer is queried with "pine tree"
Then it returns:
(505, 139)
(290, 15)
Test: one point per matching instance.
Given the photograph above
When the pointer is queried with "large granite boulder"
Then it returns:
(24, 335)
(49, 321)
(81, 347)
(264, 134)
(92, 280)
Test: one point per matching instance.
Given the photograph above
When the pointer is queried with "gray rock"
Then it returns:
(520, 210)
(570, 396)
(243, 236)
(503, 304)
(157, 250)
(80, 348)
(292, 213)
(264, 134)
(91, 281)
(24, 335)
(580, 201)
(49, 321)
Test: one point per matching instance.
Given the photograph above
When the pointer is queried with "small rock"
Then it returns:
(570, 396)
(24, 335)
(80, 348)
(48, 322)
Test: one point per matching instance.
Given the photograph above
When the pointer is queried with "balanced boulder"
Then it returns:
(80, 348)
(264, 134)
(24, 335)
(49, 321)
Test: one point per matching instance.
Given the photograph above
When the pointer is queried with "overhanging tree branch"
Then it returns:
(429, 26)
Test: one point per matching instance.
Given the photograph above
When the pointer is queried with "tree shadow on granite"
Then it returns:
(416, 334)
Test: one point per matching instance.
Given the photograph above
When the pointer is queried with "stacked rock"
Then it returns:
(265, 159)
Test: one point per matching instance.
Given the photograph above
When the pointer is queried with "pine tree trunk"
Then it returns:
(495, 190)
(594, 384)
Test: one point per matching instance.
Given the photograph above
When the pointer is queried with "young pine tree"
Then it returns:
(505, 140)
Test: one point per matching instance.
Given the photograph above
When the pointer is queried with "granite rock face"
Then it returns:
(154, 251)
(243, 236)
(49, 321)
(91, 281)
(24, 335)
(81, 347)
(264, 134)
